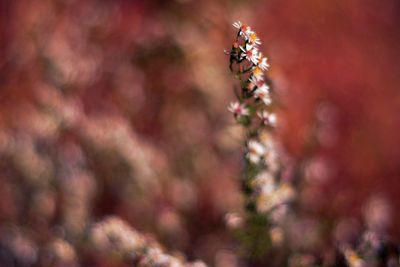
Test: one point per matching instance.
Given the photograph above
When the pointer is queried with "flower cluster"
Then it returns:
(370, 250)
(273, 182)
(253, 109)
(114, 236)
(251, 62)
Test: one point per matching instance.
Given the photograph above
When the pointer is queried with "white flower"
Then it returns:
(237, 24)
(257, 82)
(238, 109)
(353, 259)
(244, 30)
(258, 79)
(263, 86)
(267, 118)
(272, 161)
(271, 158)
(252, 83)
(234, 220)
(258, 73)
(263, 64)
(264, 183)
(255, 151)
(281, 195)
(251, 53)
(285, 193)
(263, 93)
(253, 39)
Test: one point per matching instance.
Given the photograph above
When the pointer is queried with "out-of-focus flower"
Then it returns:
(196, 264)
(267, 118)
(277, 236)
(263, 183)
(155, 257)
(353, 259)
(113, 234)
(347, 230)
(233, 220)
(238, 109)
(263, 64)
(263, 94)
(317, 170)
(60, 252)
(255, 82)
(371, 240)
(279, 213)
(255, 151)
(78, 191)
(170, 222)
(23, 250)
(257, 77)
(226, 258)
(281, 195)
(301, 260)
(377, 214)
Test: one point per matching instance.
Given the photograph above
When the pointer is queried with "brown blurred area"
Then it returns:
(119, 108)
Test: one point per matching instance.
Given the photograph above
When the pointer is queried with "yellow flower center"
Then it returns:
(257, 72)
(253, 37)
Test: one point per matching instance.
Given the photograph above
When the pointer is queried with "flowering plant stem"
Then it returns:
(252, 111)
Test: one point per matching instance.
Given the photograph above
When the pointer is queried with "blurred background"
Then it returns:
(119, 108)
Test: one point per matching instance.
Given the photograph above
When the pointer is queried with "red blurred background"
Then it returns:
(344, 55)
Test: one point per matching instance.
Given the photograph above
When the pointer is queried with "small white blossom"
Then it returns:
(371, 239)
(267, 118)
(234, 220)
(252, 83)
(259, 83)
(263, 86)
(238, 109)
(281, 195)
(263, 94)
(113, 234)
(251, 53)
(255, 151)
(253, 39)
(258, 74)
(353, 259)
(272, 162)
(286, 193)
(244, 30)
(263, 64)
(264, 183)
(237, 24)
(271, 158)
